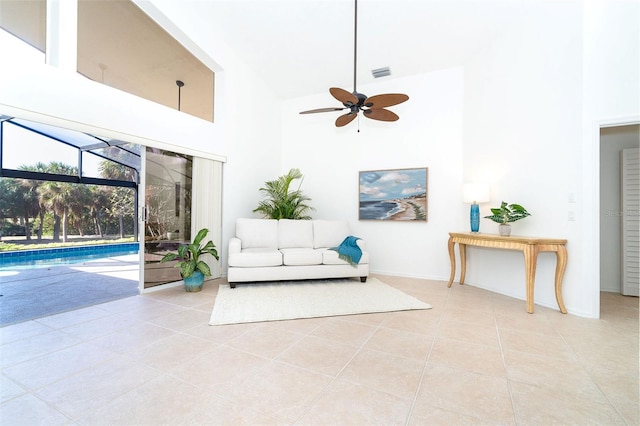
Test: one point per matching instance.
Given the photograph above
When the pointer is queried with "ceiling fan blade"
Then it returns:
(381, 114)
(313, 111)
(343, 96)
(345, 119)
(383, 101)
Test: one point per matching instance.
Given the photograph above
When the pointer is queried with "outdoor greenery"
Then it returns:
(34, 208)
(280, 203)
(8, 246)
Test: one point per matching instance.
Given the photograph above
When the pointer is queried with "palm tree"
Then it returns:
(121, 201)
(282, 203)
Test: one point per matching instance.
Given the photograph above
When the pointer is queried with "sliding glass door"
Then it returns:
(167, 212)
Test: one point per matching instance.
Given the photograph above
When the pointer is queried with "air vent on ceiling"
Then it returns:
(381, 72)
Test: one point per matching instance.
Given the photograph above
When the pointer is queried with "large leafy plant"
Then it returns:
(188, 256)
(282, 203)
(508, 213)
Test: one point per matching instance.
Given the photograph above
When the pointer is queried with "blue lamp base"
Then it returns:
(475, 217)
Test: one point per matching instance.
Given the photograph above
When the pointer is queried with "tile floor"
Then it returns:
(475, 358)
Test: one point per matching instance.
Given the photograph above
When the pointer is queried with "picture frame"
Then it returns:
(394, 195)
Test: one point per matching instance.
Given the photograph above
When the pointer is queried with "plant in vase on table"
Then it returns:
(192, 268)
(505, 214)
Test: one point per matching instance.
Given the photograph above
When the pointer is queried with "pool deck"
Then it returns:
(33, 293)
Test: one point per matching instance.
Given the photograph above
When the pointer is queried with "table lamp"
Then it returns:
(475, 193)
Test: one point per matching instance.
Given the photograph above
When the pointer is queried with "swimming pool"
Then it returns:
(24, 259)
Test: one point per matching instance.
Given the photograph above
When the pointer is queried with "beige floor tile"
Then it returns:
(468, 356)
(423, 322)
(138, 361)
(469, 333)
(277, 390)
(536, 405)
(471, 316)
(21, 331)
(224, 366)
(79, 394)
(99, 327)
(54, 366)
(400, 343)
(165, 400)
(384, 372)
(133, 337)
(320, 355)
(9, 389)
(265, 341)
(219, 333)
(424, 414)
(182, 320)
(29, 410)
(35, 346)
(346, 332)
(172, 352)
(469, 394)
(225, 413)
(347, 403)
(302, 326)
(70, 318)
(559, 374)
(613, 358)
(552, 345)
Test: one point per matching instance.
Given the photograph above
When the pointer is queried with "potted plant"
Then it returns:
(192, 269)
(280, 203)
(505, 214)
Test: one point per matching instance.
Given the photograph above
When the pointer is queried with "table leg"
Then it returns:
(561, 265)
(452, 258)
(463, 262)
(530, 262)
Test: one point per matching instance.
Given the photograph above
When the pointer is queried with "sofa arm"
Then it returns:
(235, 245)
(361, 244)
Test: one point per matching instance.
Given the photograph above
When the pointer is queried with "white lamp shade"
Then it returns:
(475, 193)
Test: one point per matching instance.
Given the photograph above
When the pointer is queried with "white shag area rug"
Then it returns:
(285, 300)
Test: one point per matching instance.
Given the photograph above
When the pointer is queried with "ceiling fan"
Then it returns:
(372, 107)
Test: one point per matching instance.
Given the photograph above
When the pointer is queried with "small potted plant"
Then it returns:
(192, 269)
(505, 214)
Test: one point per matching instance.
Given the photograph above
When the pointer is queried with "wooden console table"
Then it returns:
(528, 245)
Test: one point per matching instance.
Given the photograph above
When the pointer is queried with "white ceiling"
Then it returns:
(303, 47)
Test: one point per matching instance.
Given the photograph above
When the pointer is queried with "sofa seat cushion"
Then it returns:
(295, 233)
(301, 256)
(331, 257)
(255, 258)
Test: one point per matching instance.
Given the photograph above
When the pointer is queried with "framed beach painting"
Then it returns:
(398, 194)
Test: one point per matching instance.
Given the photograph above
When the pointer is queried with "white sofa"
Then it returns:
(276, 250)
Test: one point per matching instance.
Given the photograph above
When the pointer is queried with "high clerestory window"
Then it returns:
(121, 47)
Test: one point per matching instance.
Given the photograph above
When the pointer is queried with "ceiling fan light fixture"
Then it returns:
(372, 107)
(381, 72)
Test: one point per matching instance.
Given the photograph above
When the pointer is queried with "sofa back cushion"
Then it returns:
(257, 233)
(329, 233)
(295, 233)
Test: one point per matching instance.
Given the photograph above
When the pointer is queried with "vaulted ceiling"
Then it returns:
(303, 47)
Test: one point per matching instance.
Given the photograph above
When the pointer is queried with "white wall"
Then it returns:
(612, 141)
(523, 136)
(610, 96)
(428, 134)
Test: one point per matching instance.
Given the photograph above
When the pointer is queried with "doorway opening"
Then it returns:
(619, 209)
